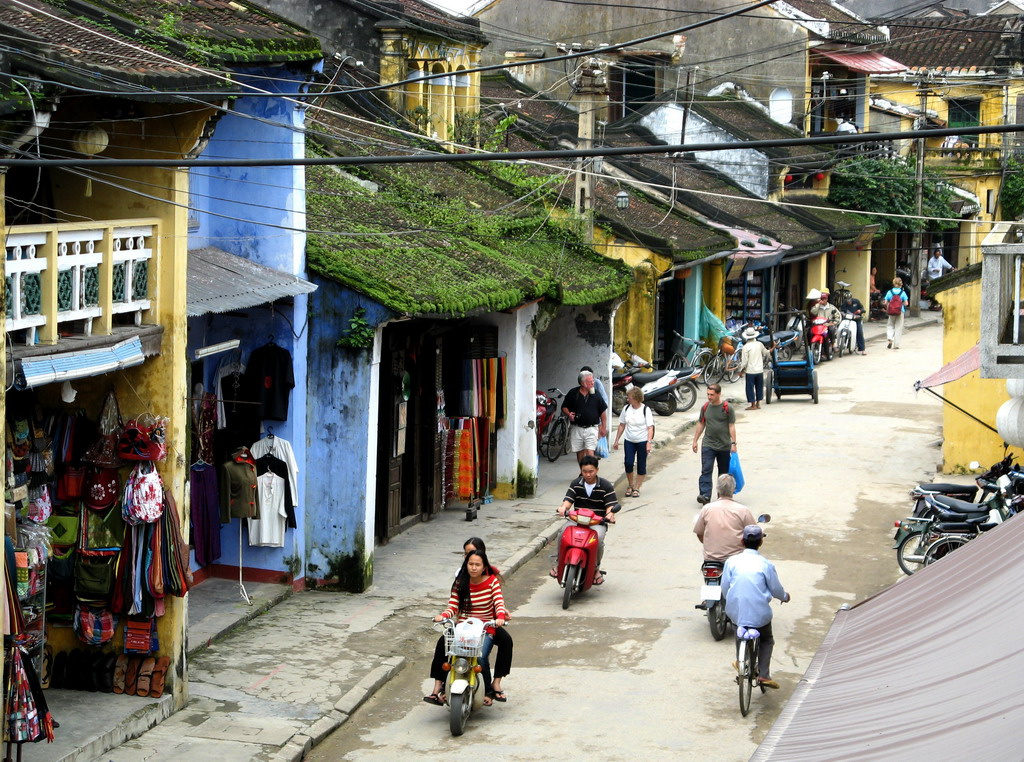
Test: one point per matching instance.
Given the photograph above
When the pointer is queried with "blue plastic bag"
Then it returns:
(601, 450)
(735, 471)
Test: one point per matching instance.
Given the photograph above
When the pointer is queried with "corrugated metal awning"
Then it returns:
(221, 282)
(867, 62)
(31, 372)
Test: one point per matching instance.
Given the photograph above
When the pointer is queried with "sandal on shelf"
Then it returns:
(105, 665)
(131, 675)
(156, 684)
(120, 668)
(435, 699)
(145, 676)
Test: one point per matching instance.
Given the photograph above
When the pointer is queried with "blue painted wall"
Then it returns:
(259, 213)
(341, 410)
(694, 303)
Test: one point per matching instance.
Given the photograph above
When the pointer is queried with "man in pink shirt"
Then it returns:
(719, 525)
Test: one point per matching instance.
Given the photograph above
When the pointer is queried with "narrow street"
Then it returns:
(630, 670)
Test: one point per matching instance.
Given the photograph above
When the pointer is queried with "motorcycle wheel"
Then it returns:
(718, 621)
(816, 351)
(814, 386)
(910, 554)
(618, 400)
(666, 406)
(461, 706)
(570, 582)
(686, 395)
(745, 678)
(843, 343)
(786, 353)
(942, 548)
(557, 436)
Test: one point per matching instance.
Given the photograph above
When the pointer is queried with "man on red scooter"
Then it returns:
(588, 490)
(822, 308)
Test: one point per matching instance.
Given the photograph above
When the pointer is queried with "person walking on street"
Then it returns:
(719, 525)
(717, 424)
(588, 414)
(637, 422)
(753, 357)
(749, 582)
(895, 307)
(854, 307)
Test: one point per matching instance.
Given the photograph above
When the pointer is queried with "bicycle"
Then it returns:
(748, 642)
(554, 440)
(688, 353)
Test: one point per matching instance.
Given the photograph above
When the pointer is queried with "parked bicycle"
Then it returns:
(689, 353)
(554, 438)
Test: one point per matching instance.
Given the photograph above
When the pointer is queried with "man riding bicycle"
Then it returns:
(749, 582)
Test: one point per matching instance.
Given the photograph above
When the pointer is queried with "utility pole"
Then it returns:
(916, 258)
(589, 85)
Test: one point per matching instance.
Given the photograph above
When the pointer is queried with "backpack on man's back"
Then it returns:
(895, 305)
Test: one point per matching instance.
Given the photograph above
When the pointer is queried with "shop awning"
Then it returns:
(764, 261)
(867, 62)
(968, 203)
(929, 668)
(221, 282)
(31, 372)
(967, 362)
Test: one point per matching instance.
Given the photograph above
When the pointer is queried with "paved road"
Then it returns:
(631, 671)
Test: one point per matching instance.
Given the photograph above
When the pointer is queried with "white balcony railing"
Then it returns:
(89, 272)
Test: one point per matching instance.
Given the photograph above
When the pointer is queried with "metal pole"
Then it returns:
(916, 260)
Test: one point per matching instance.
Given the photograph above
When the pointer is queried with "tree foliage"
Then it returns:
(1012, 193)
(888, 186)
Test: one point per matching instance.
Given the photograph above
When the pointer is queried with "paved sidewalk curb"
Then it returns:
(249, 615)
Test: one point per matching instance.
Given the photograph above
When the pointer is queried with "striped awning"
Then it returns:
(36, 371)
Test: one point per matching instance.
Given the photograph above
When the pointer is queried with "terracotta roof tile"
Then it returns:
(947, 43)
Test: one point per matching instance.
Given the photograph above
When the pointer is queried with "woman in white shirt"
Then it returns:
(637, 422)
(752, 360)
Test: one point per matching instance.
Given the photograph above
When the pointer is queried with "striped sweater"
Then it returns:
(485, 602)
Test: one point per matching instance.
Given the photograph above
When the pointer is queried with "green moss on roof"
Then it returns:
(423, 253)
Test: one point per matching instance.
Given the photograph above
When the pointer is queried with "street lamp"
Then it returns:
(622, 200)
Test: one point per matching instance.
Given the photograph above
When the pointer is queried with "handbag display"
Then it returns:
(71, 483)
(63, 529)
(94, 625)
(143, 442)
(103, 452)
(102, 488)
(102, 531)
(94, 577)
(143, 501)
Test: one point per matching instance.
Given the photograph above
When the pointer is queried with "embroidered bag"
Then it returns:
(94, 625)
(143, 501)
(39, 505)
(94, 577)
(102, 488)
(63, 529)
(102, 533)
(142, 442)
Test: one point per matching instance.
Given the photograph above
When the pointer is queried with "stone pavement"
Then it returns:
(272, 687)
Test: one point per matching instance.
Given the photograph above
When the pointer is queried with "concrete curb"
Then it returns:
(249, 615)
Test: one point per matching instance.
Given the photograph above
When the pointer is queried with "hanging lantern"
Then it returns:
(820, 176)
(622, 200)
(789, 178)
(90, 142)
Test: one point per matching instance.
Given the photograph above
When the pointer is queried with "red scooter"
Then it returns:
(577, 552)
(819, 344)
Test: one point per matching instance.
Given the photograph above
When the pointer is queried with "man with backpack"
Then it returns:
(717, 423)
(895, 300)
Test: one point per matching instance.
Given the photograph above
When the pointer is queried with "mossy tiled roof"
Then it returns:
(215, 31)
(433, 240)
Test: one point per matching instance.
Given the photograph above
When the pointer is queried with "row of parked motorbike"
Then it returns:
(947, 516)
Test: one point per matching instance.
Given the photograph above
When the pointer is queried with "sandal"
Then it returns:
(599, 579)
(488, 700)
(47, 673)
(498, 696)
(120, 667)
(435, 699)
(156, 685)
(131, 675)
(145, 676)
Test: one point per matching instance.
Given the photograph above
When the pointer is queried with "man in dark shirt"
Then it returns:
(588, 414)
(590, 491)
(853, 306)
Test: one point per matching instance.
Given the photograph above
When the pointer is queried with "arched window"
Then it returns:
(780, 105)
(437, 108)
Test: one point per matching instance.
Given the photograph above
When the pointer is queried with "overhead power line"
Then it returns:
(569, 153)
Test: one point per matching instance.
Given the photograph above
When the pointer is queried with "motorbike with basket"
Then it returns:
(577, 552)
(464, 688)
